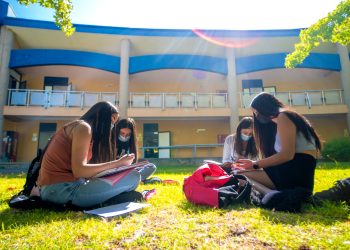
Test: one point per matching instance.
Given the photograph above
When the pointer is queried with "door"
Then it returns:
(164, 141)
(46, 130)
(150, 139)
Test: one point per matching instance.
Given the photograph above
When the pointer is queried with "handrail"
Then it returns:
(195, 100)
(194, 147)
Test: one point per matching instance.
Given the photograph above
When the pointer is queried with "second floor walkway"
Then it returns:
(167, 104)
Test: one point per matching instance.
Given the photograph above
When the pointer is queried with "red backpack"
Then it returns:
(211, 185)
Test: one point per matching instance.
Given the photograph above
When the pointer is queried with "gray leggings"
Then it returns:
(147, 170)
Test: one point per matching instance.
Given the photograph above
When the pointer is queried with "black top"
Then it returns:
(123, 148)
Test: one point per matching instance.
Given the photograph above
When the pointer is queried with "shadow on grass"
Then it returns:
(176, 169)
(15, 218)
(333, 165)
(325, 214)
(191, 208)
(13, 175)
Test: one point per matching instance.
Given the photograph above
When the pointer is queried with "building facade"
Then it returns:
(186, 89)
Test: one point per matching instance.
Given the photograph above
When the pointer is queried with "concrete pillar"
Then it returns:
(6, 42)
(124, 78)
(232, 88)
(345, 77)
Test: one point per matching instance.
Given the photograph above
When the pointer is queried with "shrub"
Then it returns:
(337, 149)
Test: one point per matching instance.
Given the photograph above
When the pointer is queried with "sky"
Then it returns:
(190, 14)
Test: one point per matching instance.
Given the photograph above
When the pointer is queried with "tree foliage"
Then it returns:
(62, 9)
(334, 28)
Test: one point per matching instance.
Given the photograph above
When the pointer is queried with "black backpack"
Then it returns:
(23, 200)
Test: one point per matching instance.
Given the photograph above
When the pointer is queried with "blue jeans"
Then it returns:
(146, 171)
(88, 192)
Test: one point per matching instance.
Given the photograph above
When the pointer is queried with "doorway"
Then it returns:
(150, 139)
(46, 130)
(164, 141)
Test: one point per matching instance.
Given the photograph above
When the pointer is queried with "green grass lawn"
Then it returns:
(172, 223)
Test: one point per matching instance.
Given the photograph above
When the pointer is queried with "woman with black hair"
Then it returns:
(126, 140)
(77, 152)
(239, 145)
(287, 143)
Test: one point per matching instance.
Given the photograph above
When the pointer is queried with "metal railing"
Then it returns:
(178, 100)
(307, 98)
(82, 99)
(54, 98)
(193, 147)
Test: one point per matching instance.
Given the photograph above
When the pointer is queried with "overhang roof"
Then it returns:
(33, 34)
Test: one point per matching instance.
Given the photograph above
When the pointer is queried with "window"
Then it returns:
(255, 86)
(252, 86)
(271, 89)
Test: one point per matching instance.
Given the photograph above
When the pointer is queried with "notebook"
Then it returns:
(120, 169)
(117, 210)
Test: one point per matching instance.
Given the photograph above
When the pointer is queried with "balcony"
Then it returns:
(182, 104)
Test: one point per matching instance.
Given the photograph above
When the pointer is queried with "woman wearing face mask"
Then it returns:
(77, 152)
(126, 141)
(288, 144)
(239, 145)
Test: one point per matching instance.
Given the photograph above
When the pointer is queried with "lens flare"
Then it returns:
(227, 42)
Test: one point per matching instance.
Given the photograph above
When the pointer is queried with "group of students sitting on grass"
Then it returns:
(280, 144)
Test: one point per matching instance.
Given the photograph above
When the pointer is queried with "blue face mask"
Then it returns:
(123, 139)
(245, 137)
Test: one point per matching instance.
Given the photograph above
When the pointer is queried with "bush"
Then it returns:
(337, 149)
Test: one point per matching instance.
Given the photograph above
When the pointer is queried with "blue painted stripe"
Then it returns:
(20, 22)
(195, 62)
(42, 57)
(3, 11)
(275, 61)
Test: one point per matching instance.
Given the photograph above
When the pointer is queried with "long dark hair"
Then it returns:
(265, 134)
(251, 151)
(130, 124)
(99, 117)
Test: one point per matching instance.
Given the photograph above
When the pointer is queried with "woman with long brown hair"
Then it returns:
(239, 145)
(287, 143)
(77, 152)
(126, 140)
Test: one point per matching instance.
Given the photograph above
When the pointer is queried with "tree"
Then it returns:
(62, 8)
(334, 28)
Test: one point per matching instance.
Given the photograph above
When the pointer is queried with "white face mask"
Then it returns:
(123, 139)
(245, 137)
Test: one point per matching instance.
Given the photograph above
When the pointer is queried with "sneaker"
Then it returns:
(339, 192)
(153, 180)
(147, 194)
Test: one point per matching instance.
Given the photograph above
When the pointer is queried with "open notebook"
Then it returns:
(117, 210)
(120, 169)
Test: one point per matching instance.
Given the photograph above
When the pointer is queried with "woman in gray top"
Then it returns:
(288, 144)
(239, 145)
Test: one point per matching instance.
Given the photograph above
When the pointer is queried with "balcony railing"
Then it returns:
(307, 98)
(178, 100)
(28, 97)
(47, 99)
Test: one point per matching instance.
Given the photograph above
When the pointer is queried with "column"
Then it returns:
(6, 41)
(232, 88)
(345, 77)
(124, 78)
